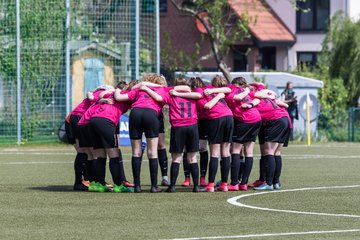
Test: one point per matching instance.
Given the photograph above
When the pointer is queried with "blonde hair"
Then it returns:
(180, 81)
(155, 78)
(219, 81)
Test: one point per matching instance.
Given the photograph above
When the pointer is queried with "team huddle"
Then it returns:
(227, 118)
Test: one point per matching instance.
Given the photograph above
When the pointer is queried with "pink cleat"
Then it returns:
(209, 188)
(257, 183)
(233, 187)
(223, 187)
(243, 187)
(202, 182)
(186, 182)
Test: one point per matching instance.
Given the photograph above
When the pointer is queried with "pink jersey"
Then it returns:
(80, 109)
(109, 111)
(219, 110)
(269, 110)
(114, 111)
(142, 99)
(182, 111)
(245, 115)
(201, 111)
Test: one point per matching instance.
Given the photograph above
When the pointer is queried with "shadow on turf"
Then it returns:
(68, 188)
(54, 188)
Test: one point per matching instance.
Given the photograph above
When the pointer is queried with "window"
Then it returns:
(268, 58)
(163, 5)
(313, 15)
(148, 6)
(307, 58)
(240, 60)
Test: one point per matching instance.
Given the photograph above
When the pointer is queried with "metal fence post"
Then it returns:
(353, 124)
(67, 56)
(137, 39)
(18, 72)
(349, 124)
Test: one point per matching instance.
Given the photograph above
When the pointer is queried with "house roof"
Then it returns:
(80, 46)
(265, 26)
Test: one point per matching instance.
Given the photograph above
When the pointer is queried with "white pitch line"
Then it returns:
(268, 235)
(23, 163)
(234, 201)
(49, 162)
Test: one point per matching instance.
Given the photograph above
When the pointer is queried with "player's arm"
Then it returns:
(103, 93)
(265, 93)
(90, 96)
(189, 95)
(119, 96)
(149, 84)
(251, 104)
(152, 93)
(241, 96)
(209, 91)
(281, 103)
(212, 102)
(256, 84)
(182, 88)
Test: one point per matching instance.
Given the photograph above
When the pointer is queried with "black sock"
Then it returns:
(213, 167)
(186, 166)
(204, 161)
(115, 170)
(247, 169)
(85, 173)
(194, 169)
(235, 168)
(90, 168)
(174, 172)
(270, 163)
(225, 168)
(278, 167)
(241, 167)
(100, 168)
(262, 169)
(136, 168)
(163, 161)
(153, 166)
(79, 166)
(122, 170)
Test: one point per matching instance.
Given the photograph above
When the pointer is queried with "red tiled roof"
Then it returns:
(264, 25)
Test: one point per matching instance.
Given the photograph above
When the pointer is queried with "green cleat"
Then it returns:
(93, 187)
(102, 188)
(121, 188)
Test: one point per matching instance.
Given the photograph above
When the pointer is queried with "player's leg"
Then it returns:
(162, 155)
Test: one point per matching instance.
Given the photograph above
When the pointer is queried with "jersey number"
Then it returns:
(182, 108)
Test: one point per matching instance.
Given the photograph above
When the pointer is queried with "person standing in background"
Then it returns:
(289, 97)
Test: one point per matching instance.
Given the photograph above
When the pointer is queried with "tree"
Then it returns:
(223, 26)
(341, 52)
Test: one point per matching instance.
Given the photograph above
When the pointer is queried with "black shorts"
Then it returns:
(203, 129)
(161, 123)
(103, 133)
(275, 131)
(245, 132)
(184, 138)
(143, 120)
(220, 130)
(84, 136)
(72, 131)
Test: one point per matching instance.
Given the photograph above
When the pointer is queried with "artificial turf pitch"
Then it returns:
(37, 201)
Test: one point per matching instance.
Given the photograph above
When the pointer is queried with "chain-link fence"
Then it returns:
(53, 51)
